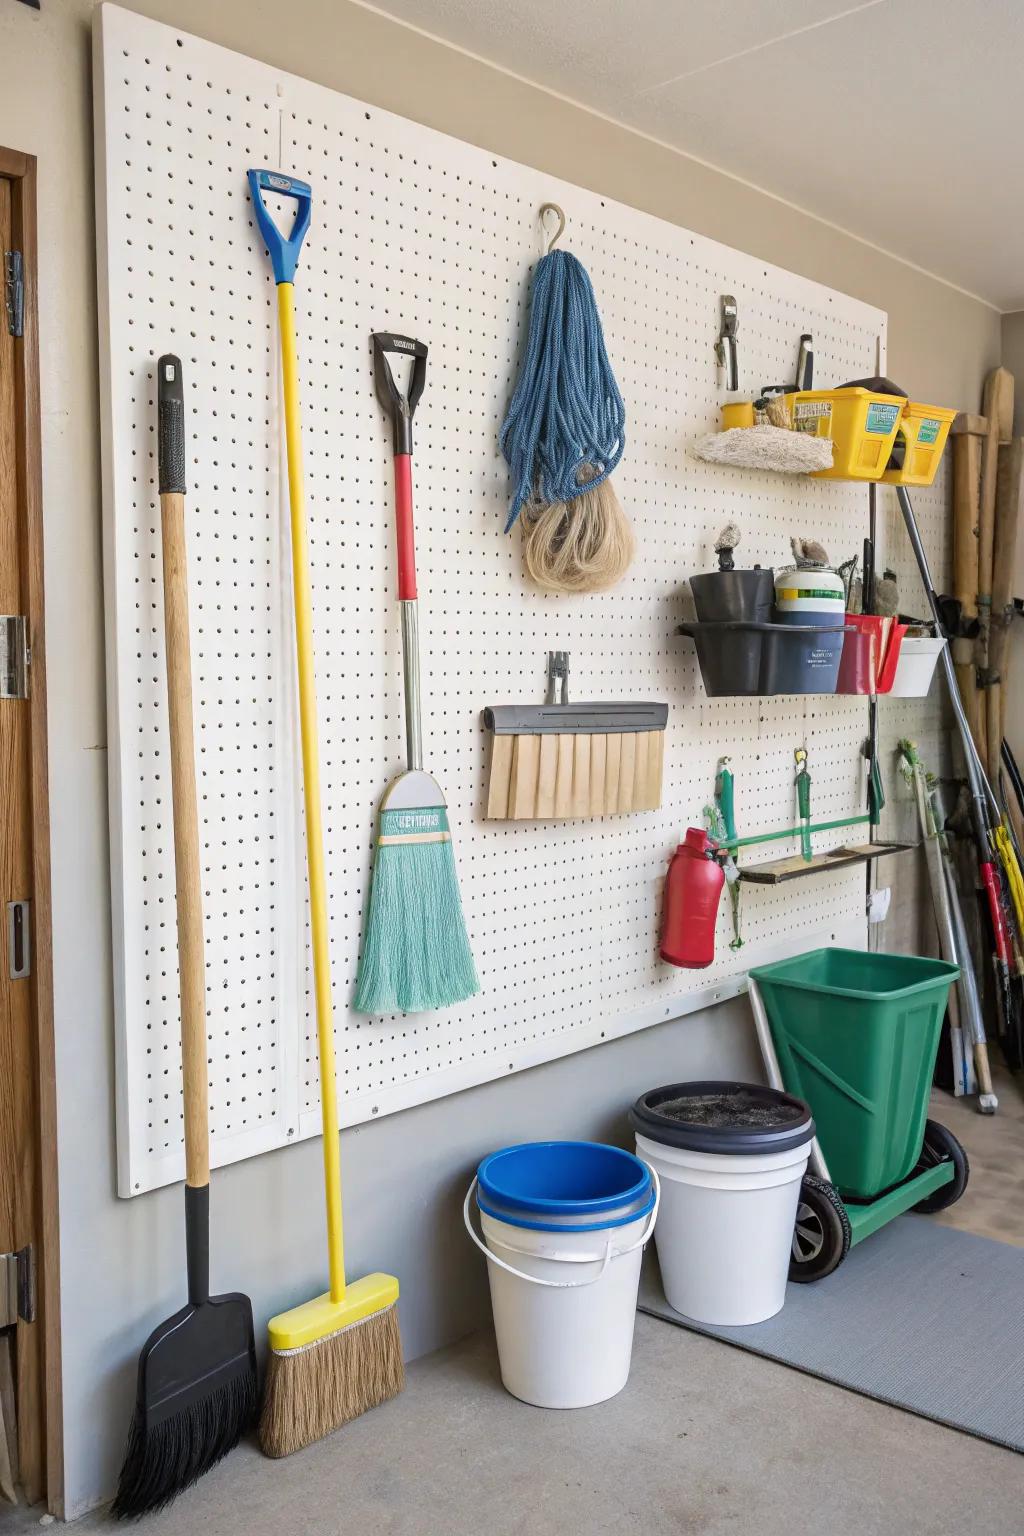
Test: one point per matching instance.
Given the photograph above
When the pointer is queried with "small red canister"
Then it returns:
(693, 887)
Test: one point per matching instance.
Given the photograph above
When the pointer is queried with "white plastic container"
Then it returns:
(916, 666)
(725, 1232)
(809, 595)
(563, 1293)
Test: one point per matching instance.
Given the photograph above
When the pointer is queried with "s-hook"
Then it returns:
(546, 208)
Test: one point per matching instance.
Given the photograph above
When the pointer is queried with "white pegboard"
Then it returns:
(415, 232)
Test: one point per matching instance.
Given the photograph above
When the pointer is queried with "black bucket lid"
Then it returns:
(726, 1117)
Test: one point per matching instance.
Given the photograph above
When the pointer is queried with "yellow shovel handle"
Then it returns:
(311, 788)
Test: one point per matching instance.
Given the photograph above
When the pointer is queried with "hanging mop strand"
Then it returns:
(567, 412)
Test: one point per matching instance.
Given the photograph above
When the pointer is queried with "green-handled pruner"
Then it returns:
(803, 800)
(725, 814)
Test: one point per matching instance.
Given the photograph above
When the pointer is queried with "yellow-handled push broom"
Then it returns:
(335, 1356)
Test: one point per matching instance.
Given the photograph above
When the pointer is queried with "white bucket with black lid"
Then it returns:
(730, 1157)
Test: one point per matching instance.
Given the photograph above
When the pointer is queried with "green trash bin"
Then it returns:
(856, 1035)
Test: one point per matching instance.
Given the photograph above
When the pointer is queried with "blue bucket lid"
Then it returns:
(548, 1180)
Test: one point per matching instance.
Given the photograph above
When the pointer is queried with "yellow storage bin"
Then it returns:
(923, 430)
(862, 425)
(737, 413)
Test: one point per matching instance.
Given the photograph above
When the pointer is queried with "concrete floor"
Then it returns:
(705, 1439)
(993, 1203)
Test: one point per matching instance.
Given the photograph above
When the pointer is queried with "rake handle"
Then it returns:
(188, 891)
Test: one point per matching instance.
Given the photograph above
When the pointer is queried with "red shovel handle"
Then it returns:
(995, 909)
(406, 536)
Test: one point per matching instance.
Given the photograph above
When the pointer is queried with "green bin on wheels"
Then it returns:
(856, 1035)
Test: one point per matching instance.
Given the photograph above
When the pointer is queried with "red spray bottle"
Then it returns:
(693, 887)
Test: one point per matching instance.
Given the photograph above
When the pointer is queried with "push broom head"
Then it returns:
(416, 952)
(329, 1362)
(197, 1391)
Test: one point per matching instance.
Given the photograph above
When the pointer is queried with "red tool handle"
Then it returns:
(406, 535)
(995, 909)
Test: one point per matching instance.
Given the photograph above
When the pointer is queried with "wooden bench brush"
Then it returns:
(560, 760)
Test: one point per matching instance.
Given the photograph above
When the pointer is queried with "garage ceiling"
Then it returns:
(901, 121)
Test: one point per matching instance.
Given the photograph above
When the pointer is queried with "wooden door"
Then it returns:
(27, 1119)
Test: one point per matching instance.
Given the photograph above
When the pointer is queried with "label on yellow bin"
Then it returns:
(881, 418)
(807, 414)
(929, 430)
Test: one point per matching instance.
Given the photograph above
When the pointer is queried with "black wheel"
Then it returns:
(821, 1236)
(941, 1146)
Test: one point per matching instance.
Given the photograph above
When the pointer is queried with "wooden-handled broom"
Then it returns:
(334, 1357)
(197, 1386)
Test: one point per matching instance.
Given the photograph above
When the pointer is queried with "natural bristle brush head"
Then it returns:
(330, 1362)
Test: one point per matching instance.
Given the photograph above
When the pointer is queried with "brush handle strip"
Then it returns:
(311, 795)
(501, 770)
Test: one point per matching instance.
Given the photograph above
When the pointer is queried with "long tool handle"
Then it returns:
(284, 255)
(311, 793)
(984, 814)
(187, 879)
(400, 405)
(408, 602)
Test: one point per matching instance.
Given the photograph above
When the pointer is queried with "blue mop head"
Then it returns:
(567, 417)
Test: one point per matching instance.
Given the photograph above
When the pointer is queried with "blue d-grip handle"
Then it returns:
(284, 253)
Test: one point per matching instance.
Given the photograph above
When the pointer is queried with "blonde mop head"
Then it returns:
(582, 545)
(765, 447)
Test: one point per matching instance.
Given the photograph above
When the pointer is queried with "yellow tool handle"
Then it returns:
(311, 788)
(1008, 859)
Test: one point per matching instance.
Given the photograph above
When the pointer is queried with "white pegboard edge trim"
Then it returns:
(123, 1102)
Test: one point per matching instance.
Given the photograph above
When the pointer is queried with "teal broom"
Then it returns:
(416, 952)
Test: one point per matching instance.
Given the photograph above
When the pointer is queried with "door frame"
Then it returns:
(20, 170)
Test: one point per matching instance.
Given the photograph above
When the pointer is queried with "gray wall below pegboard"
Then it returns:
(121, 1261)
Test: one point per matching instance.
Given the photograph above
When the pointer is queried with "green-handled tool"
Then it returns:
(724, 825)
(803, 800)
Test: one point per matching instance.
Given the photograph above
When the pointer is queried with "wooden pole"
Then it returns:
(968, 433)
(1009, 496)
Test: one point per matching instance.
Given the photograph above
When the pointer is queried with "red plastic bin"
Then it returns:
(859, 666)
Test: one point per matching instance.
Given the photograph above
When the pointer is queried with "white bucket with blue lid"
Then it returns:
(564, 1226)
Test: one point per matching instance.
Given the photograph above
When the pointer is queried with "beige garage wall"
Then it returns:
(1013, 358)
(122, 1260)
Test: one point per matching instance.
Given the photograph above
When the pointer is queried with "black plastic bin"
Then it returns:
(734, 595)
(753, 658)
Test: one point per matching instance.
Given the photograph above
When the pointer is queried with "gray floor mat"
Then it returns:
(918, 1315)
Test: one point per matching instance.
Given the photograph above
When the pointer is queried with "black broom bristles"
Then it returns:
(162, 1459)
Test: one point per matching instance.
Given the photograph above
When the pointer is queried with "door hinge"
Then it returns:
(19, 940)
(15, 656)
(17, 1287)
(14, 290)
